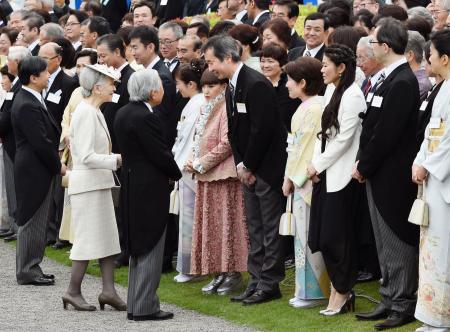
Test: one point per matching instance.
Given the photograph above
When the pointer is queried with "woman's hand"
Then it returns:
(311, 171)
(67, 141)
(419, 174)
(63, 169)
(188, 167)
(288, 187)
(119, 160)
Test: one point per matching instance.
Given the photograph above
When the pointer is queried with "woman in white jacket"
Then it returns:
(335, 193)
(90, 183)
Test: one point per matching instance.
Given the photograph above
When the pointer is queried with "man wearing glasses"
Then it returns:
(169, 33)
(371, 5)
(288, 11)
(72, 28)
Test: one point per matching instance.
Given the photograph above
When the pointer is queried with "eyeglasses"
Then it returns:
(363, 5)
(167, 42)
(71, 24)
(375, 42)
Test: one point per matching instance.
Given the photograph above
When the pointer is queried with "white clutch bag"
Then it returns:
(419, 211)
(287, 221)
(174, 206)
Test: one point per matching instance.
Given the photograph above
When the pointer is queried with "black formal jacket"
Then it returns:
(35, 50)
(261, 20)
(148, 164)
(113, 11)
(165, 110)
(286, 105)
(297, 52)
(172, 10)
(257, 137)
(6, 129)
(110, 109)
(193, 7)
(296, 41)
(425, 115)
(388, 148)
(64, 86)
(37, 161)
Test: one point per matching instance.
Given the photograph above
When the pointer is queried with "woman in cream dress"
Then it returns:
(90, 182)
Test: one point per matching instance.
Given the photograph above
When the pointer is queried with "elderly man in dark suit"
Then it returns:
(387, 150)
(15, 55)
(36, 166)
(148, 164)
(257, 140)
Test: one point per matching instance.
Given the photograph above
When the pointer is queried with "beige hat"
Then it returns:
(107, 71)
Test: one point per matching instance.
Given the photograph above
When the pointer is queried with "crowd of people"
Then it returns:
(138, 138)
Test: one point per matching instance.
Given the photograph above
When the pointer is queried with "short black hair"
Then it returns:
(124, 33)
(34, 20)
(318, 16)
(4, 71)
(81, 16)
(202, 29)
(263, 4)
(31, 66)
(66, 51)
(97, 24)
(393, 33)
(291, 5)
(146, 35)
(148, 4)
(91, 53)
(113, 42)
(93, 6)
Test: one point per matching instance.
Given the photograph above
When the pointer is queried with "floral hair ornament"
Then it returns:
(105, 70)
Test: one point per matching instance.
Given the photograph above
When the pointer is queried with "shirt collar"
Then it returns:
(293, 31)
(15, 80)
(52, 77)
(313, 51)
(34, 93)
(76, 45)
(33, 45)
(233, 80)
(374, 77)
(241, 14)
(123, 66)
(389, 69)
(259, 15)
(154, 62)
(149, 107)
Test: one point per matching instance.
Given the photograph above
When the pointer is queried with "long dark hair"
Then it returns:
(337, 54)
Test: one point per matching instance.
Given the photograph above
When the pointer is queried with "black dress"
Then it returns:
(332, 230)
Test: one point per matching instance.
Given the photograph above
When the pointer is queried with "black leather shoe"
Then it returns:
(61, 244)
(130, 316)
(380, 312)
(48, 276)
(41, 281)
(10, 238)
(160, 315)
(261, 296)
(6, 233)
(365, 276)
(241, 297)
(395, 319)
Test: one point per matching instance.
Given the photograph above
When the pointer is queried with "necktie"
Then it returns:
(167, 63)
(43, 102)
(233, 102)
(367, 87)
(307, 53)
(379, 81)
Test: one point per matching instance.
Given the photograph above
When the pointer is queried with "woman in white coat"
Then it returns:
(335, 193)
(90, 182)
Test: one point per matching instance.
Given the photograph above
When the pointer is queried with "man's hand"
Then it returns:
(245, 176)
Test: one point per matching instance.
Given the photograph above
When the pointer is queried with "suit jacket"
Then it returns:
(341, 148)
(212, 7)
(261, 20)
(297, 52)
(91, 151)
(63, 85)
(36, 160)
(6, 129)
(193, 7)
(296, 41)
(110, 109)
(147, 167)
(172, 10)
(256, 133)
(113, 11)
(35, 50)
(388, 147)
(168, 117)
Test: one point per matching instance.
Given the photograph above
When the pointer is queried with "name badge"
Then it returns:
(9, 95)
(424, 105)
(163, 2)
(435, 123)
(115, 98)
(53, 98)
(290, 139)
(241, 108)
(377, 101)
(58, 93)
(369, 97)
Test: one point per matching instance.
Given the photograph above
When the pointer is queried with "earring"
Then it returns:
(340, 74)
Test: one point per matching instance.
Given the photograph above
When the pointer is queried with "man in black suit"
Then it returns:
(113, 11)
(15, 55)
(387, 150)
(194, 7)
(169, 34)
(257, 140)
(93, 28)
(288, 11)
(315, 33)
(258, 12)
(72, 28)
(169, 10)
(111, 51)
(239, 7)
(56, 95)
(30, 31)
(35, 168)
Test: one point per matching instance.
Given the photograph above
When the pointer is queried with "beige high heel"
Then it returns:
(76, 303)
(115, 302)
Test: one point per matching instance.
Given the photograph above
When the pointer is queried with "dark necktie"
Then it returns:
(367, 87)
(233, 101)
(379, 81)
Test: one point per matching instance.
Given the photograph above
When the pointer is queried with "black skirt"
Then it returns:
(332, 230)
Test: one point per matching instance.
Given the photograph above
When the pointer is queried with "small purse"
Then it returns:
(419, 211)
(115, 191)
(65, 180)
(287, 221)
(174, 207)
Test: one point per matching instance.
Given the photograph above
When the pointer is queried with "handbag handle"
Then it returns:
(116, 178)
(289, 203)
(421, 191)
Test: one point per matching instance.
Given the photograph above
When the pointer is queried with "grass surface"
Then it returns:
(273, 316)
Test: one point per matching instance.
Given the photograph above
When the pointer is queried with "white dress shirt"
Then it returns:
(51, 79)
(154, 62)
(33, 45)
(34, 93)
(149, 107)
(389, 69)
(312, 51)
(259, 15)
(233, 80)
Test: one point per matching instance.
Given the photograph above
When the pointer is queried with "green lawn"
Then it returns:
(272, 316)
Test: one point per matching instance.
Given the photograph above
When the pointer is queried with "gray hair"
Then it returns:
(175, 27)
(142, 82)
(446, 5)
(416, 43)
(18, 53)
(364, 42)
(52, 30)
(90, 78)
(223, 46)
(22, 12)
(421, 12)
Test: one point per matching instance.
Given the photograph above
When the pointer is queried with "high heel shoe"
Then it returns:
(77, 303)
(114, 301)
(349, 305)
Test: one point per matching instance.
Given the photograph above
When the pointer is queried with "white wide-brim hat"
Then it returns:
(107, 71)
